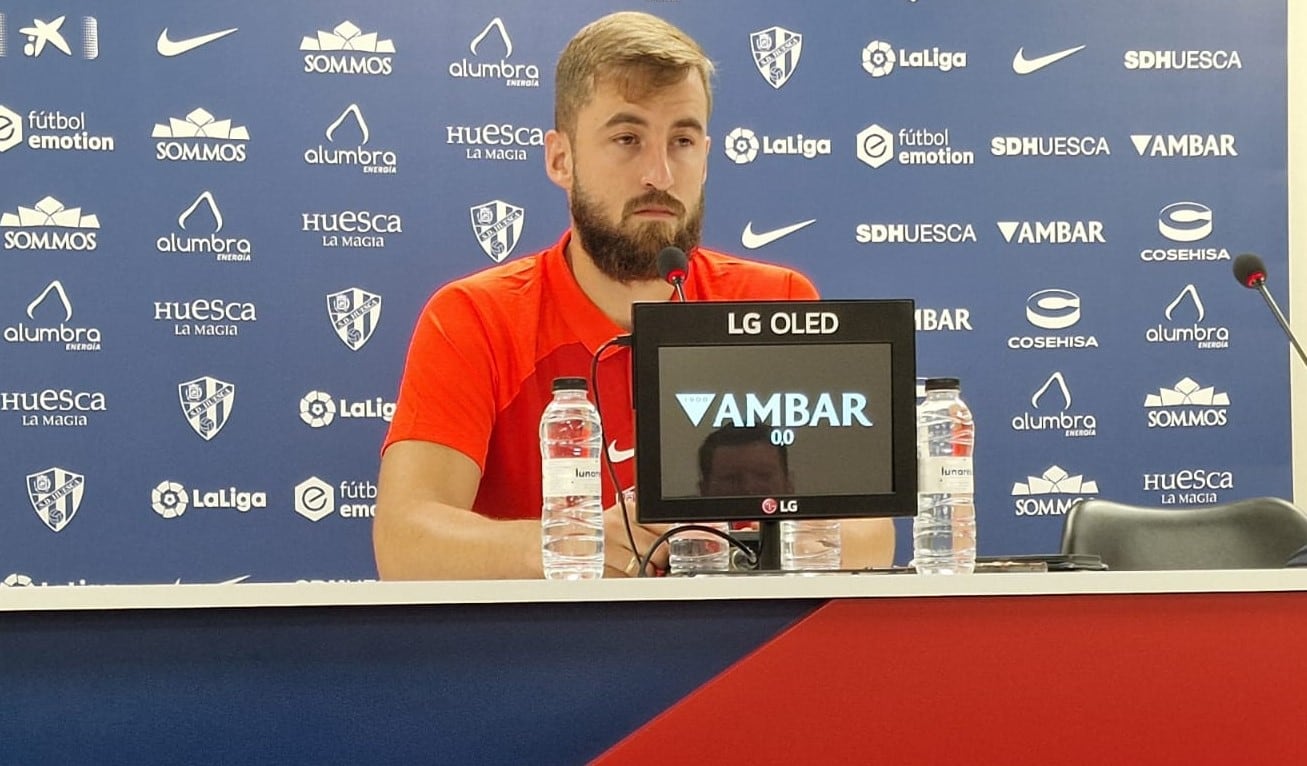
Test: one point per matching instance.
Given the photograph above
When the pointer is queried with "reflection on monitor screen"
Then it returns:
(740, 415)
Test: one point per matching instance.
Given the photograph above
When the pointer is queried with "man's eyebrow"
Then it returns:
(629, 118)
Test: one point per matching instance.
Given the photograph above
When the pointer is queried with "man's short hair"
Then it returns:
(735, 437)
(636, 52)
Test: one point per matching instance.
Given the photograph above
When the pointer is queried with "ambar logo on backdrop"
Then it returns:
(194, 219)
(347, 50)
(1186, 222)
(492, 53)
(1052, 232)
(200, 137)
(49, 225)
(377, 161)
(1184, 145)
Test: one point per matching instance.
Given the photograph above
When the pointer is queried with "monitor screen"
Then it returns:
(774, 410)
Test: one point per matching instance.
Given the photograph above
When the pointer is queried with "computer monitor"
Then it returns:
(774, 411)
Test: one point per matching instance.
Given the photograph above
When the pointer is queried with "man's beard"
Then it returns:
(629, 254)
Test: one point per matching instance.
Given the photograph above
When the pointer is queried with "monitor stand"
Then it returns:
(769, 546)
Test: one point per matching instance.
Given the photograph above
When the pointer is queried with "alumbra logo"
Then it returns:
(1195, 333)
(224, 249)
(1071, 425)
(72, 338)
(375, 161)
(513, 75)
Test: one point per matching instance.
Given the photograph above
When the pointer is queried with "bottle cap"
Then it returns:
(570, 384)
(940, 384)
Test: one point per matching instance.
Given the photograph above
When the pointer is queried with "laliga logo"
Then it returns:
(317, 409)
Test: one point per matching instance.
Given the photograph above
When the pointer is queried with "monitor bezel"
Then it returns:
(709, 323)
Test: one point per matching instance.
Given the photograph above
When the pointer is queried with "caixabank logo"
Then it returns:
(1187, 404)
(354, 314)
(492, 59)
(200, 137)
(878, 146)
(206, 317)
(50, 323)
(316, 499)
(171, 499)
(1186, 324)
(319, 409)
(1187, 223)
(204, 215)
(50, 130)
(347, 50)
(1051, 493)
(1189, 486)
(54, 407)
(1055, 310)
(1051, 411)
(497, 226)
(880, 59)
(367, 159)
(50, 225)
(776, 52)
(53, 36)
(56, 496)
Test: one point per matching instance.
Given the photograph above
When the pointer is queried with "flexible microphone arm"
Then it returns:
(1260, 286)
(673, 264)
(678, 281)
(1251, 273)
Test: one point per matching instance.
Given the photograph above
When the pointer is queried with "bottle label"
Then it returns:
(945, 475)
(571, 476)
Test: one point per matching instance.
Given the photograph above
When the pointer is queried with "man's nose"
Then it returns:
(658, 169)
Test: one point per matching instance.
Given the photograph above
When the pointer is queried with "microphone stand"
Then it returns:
(1260, 284)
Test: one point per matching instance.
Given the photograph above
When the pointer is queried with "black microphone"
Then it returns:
(673, 265)
(1251, 273)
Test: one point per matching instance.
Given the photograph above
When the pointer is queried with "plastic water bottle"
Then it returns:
(694, 551)
(810, 545)
(944, 531)
(572, 519)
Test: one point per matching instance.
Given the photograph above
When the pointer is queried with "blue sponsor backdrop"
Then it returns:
(213, 258)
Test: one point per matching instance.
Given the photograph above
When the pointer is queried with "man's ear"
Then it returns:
(558, 158)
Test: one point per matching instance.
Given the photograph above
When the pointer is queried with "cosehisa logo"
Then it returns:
(512, 74)
(347, 50)
(50, 225)
(200, 137)
(1185, 222)
(1053, 309)
(72, 338)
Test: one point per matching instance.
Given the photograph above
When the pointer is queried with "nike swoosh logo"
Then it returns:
(1023, 65)
(616, 455)
(168, 47)
(754, 241)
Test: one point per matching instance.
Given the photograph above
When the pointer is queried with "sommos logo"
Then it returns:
(779, 410)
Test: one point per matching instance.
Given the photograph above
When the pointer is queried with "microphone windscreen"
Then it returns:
(672, 260)
(1249, 269)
